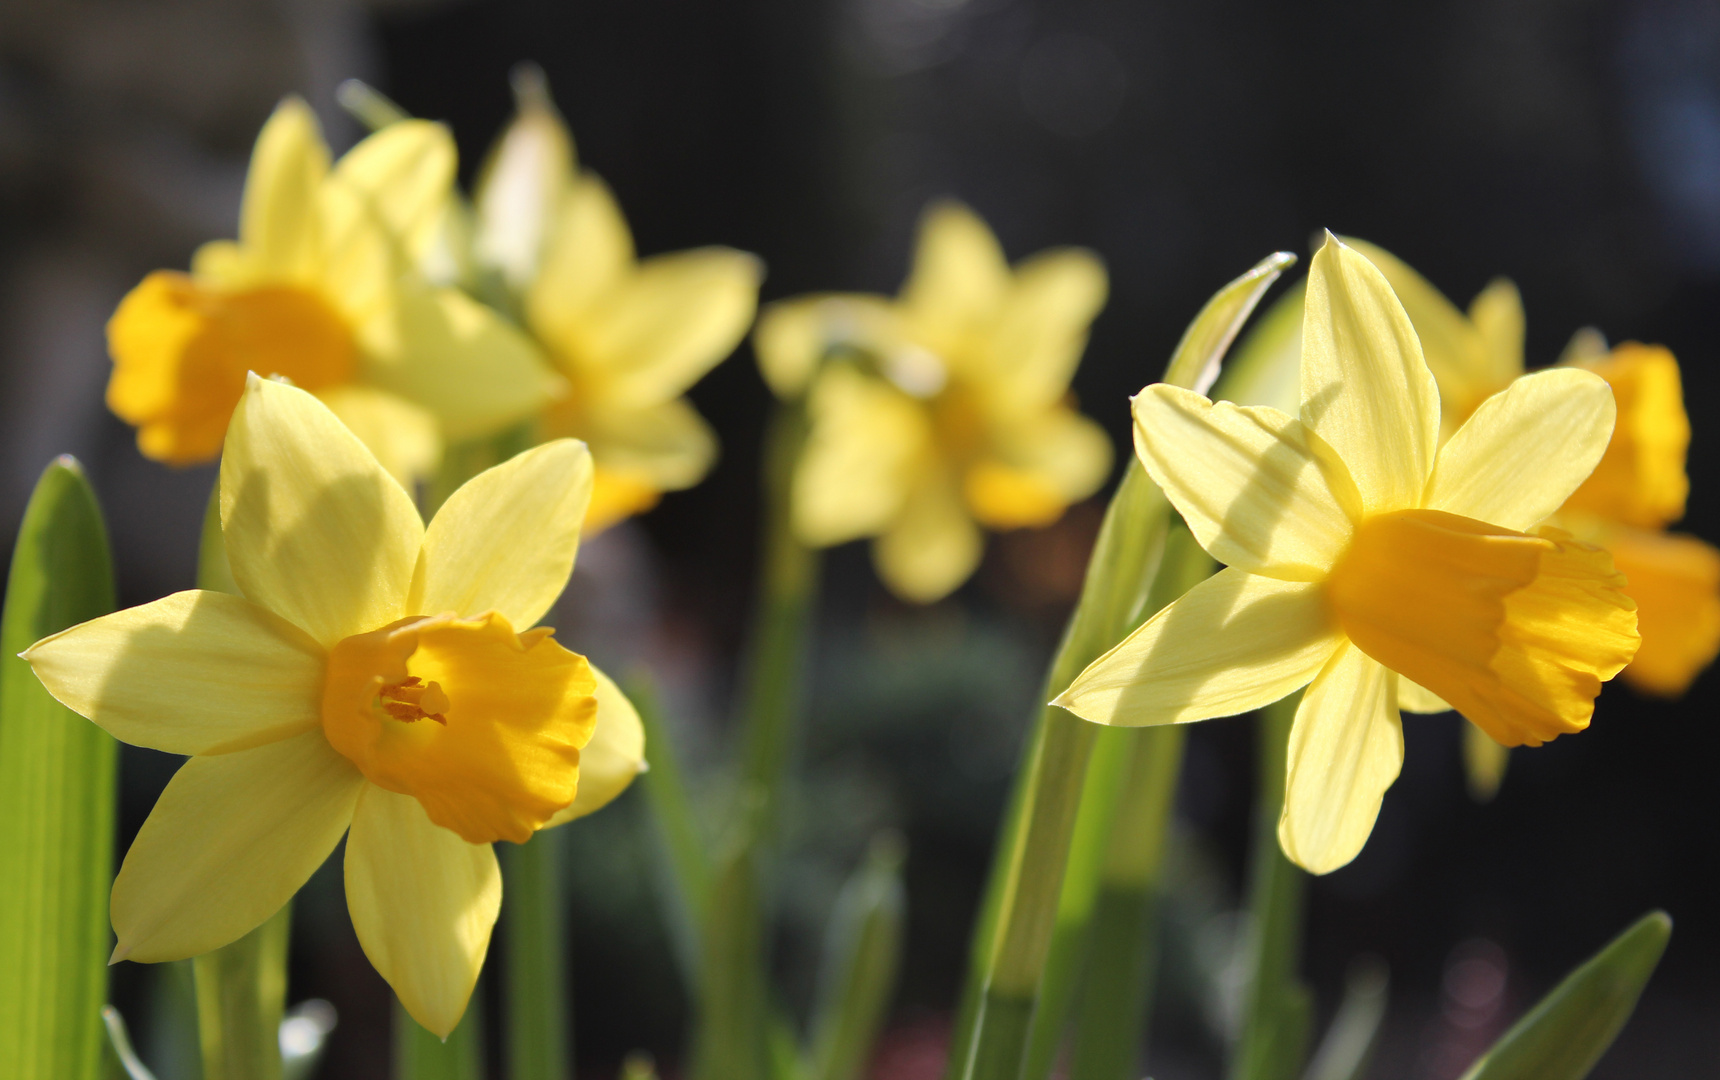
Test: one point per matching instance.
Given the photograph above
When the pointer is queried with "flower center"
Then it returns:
(181, 351)
(510, 713)
(1517, 632)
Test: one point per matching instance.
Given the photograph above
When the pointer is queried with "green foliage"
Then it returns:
(57, 775)
(861, 957)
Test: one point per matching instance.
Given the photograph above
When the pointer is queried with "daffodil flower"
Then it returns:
(377, 679)
(1370, 564)
(947, 409)
(629, 335)
(1638, 489)
(320, 289)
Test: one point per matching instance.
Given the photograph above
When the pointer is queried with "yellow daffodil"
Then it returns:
(1371, 564)
(377, 678)
(629, 335)
(1637, 490)
(945, 409)
(320, 289)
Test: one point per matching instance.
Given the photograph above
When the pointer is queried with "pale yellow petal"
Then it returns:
(866, 441)
(1484, 763)
(670, 322)
(588, 253)
(1258, 490)
(1234, 642)
(1042, 329)
(406, 172)
(459, 359)
(362, 263)
(613, 757)
(230, 840)
(221, 264)
(192, 673)
(423, 902)
(932, 546)
(1497, 314)
(1523, 452)
(960, 279)
(277, 220)
(1345, 750)
(667, 447)
(403, 436)
(793, 337)
(1365, 388)
(506, 540)
(1039, 465)
(316, 530)
(1415, 698)
(519, 189)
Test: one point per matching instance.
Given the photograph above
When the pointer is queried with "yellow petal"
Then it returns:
(669, 323)
(1641, 480)
(404, 437)
(1365, 388)
(933, 545)
(960, 279)
(1675, 581)
(1042, 329)
(865, 443)
(1497, 314)
(221, 264)
(1234, 642)
(423, 902)
(1484, 763)
(1455, 350)
(1412, 697)
(459, 359)
(1039, 466)
(230, 841)
(1258, 490)
(406, 173)
(1517, 632)
(363, 263)
(316, 530)
(520, 187)
(277, 220)
(1345, 750)
(668, 446)
(1524, 450)
(616, 496)
(506, 540)
(793, 337)
(192, 673)
(589, 253)
(613, 757)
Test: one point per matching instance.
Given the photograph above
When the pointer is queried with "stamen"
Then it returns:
(412, 700)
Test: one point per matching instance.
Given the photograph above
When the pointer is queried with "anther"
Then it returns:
(413, 700)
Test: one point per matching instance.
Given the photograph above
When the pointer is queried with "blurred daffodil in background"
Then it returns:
(944, 409)
(1369, 560)
(629, 335)
(321, 288)
(377, 679)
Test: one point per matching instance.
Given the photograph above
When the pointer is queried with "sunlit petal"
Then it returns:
(276, 219)
(932, 546)
(406, 173)
(960, 278)
(867, 439)
(613, 757)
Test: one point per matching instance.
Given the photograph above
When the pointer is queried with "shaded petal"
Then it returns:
(404, 437)
(867, 440)
(933, 545)
(1484, 763)
(423, 902)
(506, 540)
(1641, 480)
(1365, 388)
(1415, 698)
(316, 530)
(192, 673)
(793, 337)
(1497, 313)
(1258, 490)
(406, 173)
(229, 841)
(1675, 581)
(587, 254)
(277, 219)
(613, 757)
(667, 447)
(521, 185)
(1523, 452)
(960, 278)
(1345, 750)
(1234, 642)
(1042, 330)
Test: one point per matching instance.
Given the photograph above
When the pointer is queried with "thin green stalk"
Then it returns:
(732, 1041)
(538, 1034)
(419, 1055)
(861, 957)
(1118, 576)
(1277, 1011)
(241, 987)
(684, 863)
(57, 774)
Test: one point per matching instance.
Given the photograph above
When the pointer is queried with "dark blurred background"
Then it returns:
(1573, 145)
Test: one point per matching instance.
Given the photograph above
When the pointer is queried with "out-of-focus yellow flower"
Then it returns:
(376, 675)
(1368, 560)
(630, 335)
(320, 289)
(1637, 490)
(945, 409)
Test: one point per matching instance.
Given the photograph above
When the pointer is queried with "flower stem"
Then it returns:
(419, 1055)
(1277, 1011)
(538, 1019)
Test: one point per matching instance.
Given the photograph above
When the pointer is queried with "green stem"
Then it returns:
(537, 1019)
(241, 994)
(419, 1055)
(1277, 1012)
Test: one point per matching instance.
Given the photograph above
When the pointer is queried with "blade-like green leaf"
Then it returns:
(861, 957)
(1195, 364)
(732, 1040)
(1563, 1036)
(56, 799)
(1349, 1043)
(684, 865)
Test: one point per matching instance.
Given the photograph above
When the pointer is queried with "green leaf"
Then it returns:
(732, 1041)
(538, 1018)
(1195, 364)
(419, 1055)
(684, 862)
(862, 953)
(1563, 1036)
(1349, 1043)
(56, 798)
